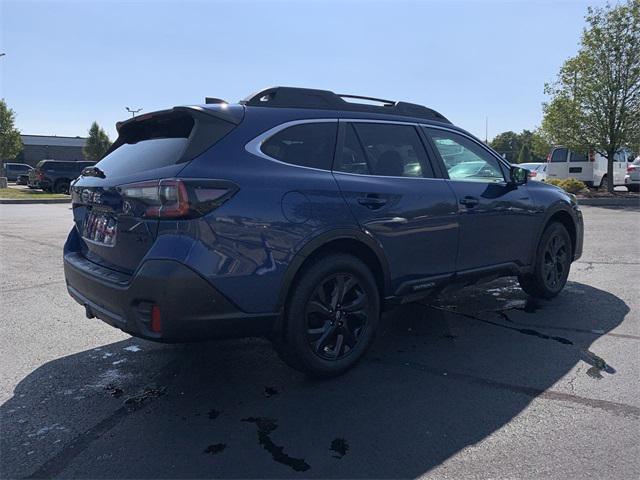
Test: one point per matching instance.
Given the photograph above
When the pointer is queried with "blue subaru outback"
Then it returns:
(300, 215)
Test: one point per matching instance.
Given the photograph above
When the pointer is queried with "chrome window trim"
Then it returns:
(255, 146)
(375, 120)
(338, 172)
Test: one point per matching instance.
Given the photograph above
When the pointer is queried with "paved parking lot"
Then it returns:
(478, 384)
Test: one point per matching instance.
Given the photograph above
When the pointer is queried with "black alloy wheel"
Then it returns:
(555, 263)
(336, 316)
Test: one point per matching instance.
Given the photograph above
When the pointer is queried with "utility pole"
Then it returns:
(486, 130)
(133, 112)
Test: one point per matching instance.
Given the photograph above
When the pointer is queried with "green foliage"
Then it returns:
(525, 154)
(10, 142)
(511, 144)
(97, 143)
(571, 185)
(595, 101)
(506, 143)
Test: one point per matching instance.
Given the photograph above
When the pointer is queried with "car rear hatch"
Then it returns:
(119, 202)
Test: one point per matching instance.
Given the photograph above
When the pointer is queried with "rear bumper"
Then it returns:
(190, 308)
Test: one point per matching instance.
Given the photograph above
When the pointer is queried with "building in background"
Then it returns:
(41, 147)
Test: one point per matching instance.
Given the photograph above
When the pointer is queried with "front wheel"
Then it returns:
(331, 317)
(552, 263)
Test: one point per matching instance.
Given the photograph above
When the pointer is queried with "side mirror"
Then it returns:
(519, 176)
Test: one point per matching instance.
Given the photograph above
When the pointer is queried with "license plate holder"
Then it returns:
(100, 228)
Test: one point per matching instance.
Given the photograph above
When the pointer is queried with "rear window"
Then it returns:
(160, 141)
(307, 145)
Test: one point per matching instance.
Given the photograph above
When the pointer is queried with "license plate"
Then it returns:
(100, 228)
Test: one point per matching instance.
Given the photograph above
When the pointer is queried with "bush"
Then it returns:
(570, 185)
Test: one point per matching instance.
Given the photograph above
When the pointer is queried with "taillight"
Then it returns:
(548, 157)
(532, 173)
(631, 168)
(592, 156)
(39, 175)
(173, 198)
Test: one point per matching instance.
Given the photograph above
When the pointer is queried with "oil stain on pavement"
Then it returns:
(266, 426)
(340, 447)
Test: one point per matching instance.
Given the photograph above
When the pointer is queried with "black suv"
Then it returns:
(56, 175)
(300, 215)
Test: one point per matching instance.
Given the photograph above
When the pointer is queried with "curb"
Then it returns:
(16, 201)
(610, 202)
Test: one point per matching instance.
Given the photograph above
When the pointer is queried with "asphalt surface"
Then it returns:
(477, 384)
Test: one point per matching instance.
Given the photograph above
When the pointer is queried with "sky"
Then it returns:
(69, 63)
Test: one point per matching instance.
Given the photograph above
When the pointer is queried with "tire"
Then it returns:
(331, 317)
(604, 183)
(61, 186)
(552, 263)
(633, 187)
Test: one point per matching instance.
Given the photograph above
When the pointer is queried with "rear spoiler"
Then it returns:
(229, 113)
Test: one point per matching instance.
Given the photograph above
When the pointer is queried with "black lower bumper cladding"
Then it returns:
(191, 309)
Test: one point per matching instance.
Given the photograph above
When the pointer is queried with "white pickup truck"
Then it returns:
(591, 169)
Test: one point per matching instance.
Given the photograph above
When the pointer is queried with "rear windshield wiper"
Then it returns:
(93, 172)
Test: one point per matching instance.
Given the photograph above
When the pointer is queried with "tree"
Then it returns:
(595, 100)
(10, 142)
(510, 145)
(507, 144)
(540, 146)
(525, 154)
(97, 143)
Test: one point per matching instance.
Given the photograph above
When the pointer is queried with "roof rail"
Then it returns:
(293, 97)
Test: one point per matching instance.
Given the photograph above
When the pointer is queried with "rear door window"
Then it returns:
(352, 158)
(384, 149)
(306, 145)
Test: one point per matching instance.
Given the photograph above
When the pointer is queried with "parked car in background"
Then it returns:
(589, 168)
(301, 216)
(55, 175)
(632, 178)
(537, 171)
(23, 179)
(12, 170)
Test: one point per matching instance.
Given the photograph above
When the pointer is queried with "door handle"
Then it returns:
(469, 201)
(372, 202)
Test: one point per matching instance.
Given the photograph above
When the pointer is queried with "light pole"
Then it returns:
(133, 112)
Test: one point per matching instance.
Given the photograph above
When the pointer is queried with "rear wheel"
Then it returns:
(604, 183)
(331, 317)
(633, 187)
(62, 186)
(552, 263)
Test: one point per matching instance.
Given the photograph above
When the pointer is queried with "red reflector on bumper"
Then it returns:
(156, 324)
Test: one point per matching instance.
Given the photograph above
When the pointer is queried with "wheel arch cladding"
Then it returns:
(347, 245)
(563, 217)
